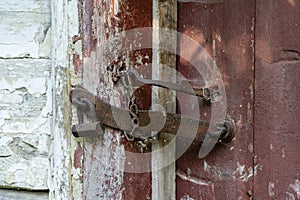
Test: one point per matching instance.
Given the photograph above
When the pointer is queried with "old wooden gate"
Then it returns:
(254, 44)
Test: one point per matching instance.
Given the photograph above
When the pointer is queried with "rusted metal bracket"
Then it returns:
(205, 93)
(104, 115)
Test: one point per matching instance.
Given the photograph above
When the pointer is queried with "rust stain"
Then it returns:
(76, 38)
(77, 63)
(86, 12)
(78, 156)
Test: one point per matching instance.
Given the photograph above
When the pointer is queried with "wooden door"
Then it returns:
(253, 44)
(226, 30)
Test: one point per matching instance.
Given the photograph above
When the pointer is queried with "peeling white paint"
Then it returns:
(290, 196)
(18, 36)
(282, 152)
(186, 197)
(296, 187)
(270, 189)
(24, 131)
(194, 180)
(251, 90)
(245, 174)
(218, 37)
(36, 86)
(3, 116)
(214, 171)
(249, 112)
(241, 168)
(116, 7)
(250, 147)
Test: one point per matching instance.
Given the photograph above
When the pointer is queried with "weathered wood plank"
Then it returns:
(66, 152)
(25, 34)
(105, 174)
(25, 107)
(277, 100)
(103, 157)
(226, 31)
(164, 68)
(16, 195)
(34, 6)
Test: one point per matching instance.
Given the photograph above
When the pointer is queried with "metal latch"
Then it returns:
(136, 124)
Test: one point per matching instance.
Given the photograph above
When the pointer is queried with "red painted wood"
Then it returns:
(100, 21)
(227, 171)
(267, 150)
(277, 100)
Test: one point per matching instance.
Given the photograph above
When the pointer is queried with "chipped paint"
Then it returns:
(186, 197)
(251, 89)
(191, 179)
(106, 159)
(244, 173)
(78, 156)
(25, 97)
(249, 112)
(241, 172)
(270, 189)
(241, 168)
(250, 147)
(296, 187)
(213, 170)
(218, 37)
(290, 196)
(282, 152)
(116, 7)
(25, 38)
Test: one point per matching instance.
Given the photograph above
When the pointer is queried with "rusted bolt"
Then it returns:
(228, 132)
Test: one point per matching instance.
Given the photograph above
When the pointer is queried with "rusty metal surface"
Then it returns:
(119, 118)
(226, 31)
(277, 100)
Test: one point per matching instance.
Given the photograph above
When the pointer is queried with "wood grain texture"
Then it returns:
(15, 195)
(64, 174)
(104, 160)
(163, 61)
(25, 29)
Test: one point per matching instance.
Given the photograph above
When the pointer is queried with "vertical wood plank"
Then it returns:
(225, 29)
(103, 26)
(103, 157)
(164, 16)
(60, 170)
(277, 100)
(65, 176)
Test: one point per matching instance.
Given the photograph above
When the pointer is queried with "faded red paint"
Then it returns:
(86, 11)
(130, 14)
(78, 156)
(228, 26)
(138, 14)
(277, 100)
(226, 30)
(77, 63)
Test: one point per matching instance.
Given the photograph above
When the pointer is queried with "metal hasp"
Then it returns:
(102, 115)
(204, 93)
